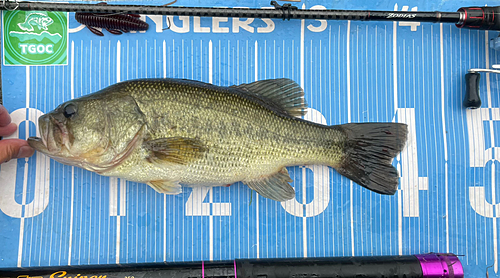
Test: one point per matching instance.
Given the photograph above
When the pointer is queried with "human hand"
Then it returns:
(11, 148)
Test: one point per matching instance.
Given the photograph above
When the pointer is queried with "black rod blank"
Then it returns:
(284, 12)
(471, 17)
(408, 266)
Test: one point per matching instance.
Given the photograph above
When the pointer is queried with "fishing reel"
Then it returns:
(472, 100)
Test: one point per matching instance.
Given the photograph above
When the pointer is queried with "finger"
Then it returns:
(8, 130)
(14, 148)
(4, 116)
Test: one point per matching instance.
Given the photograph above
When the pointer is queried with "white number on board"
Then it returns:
(195, 205)
(8, 175)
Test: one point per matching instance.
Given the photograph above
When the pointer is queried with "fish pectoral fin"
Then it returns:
(177, 150)
(166, 187)
(275, 186)
(282, 94)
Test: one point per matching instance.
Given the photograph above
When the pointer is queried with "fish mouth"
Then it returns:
(53, 138)
(38, 144)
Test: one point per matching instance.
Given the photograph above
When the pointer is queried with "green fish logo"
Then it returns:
(39, 19)
(35, 38)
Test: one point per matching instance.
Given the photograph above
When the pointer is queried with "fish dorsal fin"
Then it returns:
(282, 94)
(275, 186)
(176, 150)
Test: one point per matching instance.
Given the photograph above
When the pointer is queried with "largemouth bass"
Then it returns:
(168, 132)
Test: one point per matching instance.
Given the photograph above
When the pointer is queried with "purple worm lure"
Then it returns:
(114, 23)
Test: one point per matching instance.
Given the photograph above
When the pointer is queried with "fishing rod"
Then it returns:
(484, 18)
(409, 266)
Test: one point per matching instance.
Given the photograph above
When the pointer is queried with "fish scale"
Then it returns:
(259, 135)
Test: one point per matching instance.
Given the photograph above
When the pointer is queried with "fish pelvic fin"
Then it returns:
(166, 187)
(282, 94)
(276, 186)
(368, 154)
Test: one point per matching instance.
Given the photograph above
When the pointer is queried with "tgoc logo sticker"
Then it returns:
(35, 38)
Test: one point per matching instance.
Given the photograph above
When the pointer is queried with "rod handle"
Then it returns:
(483, 18)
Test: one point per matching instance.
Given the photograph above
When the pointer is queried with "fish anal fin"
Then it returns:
(275, 186)
(282, 94)
(166, 187)
(176, 150)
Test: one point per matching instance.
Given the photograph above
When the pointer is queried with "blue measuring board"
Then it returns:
(448, 199)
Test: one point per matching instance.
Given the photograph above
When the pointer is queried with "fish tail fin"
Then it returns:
(368, 154)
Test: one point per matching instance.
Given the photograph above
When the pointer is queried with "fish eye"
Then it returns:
(69, 110)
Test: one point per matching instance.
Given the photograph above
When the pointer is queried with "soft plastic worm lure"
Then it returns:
(115, 23)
